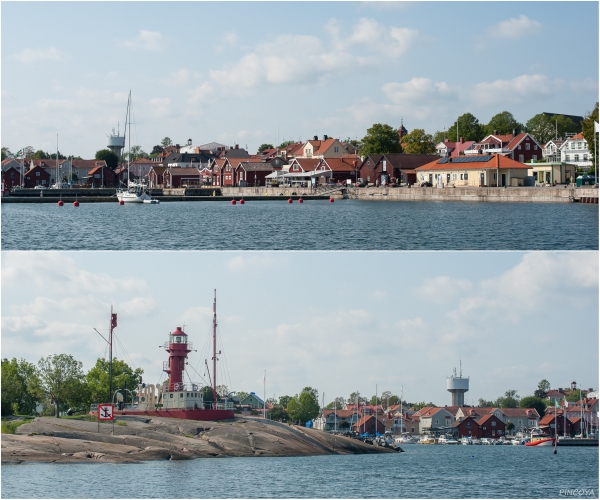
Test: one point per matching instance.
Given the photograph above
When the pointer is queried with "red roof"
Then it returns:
(487, 162)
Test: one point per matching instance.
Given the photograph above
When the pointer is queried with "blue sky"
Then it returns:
(250, 72)
(337, 321)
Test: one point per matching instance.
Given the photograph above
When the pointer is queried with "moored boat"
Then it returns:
(539, 438)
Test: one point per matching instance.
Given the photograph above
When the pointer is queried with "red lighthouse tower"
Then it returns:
(178, 348)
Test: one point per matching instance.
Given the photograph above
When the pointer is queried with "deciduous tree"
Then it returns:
(534, 402)
(20, 387)
(262, 147)
(123, 376)
(380, 139)
(469, 129)
(503, 123)
(111, 159)
(418, 142)
(63, 380)
(166, 142)
(304, 406)
(543, 127)
(542, 389)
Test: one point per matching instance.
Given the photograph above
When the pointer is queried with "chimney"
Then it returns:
(325, 137)
(446, 140)
(514, 132)
(237, 146)
(316, 138)
(461, 140)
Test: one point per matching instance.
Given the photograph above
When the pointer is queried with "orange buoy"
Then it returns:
(75, 203)
(330, 200)
(242, 201)
(290, 201)
(300, 200)
(60, 203)
(121, 202)
(233, 202)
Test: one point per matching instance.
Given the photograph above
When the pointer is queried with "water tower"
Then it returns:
(116, 143)
(457, 386)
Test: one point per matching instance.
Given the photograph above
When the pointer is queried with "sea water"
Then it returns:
(421, 472)
(312, 225)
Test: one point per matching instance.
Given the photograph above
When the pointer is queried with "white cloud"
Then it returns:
(443, 289)
(136, 308)
(36, 55)
(417, 90)
(147, 40)
(514, 28)
(515, 90)
(162, 107)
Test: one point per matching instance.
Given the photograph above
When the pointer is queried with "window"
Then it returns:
(579, 145)
(171, 395)
(494, 175)
(585, 157)
(519, 146)
(576, 158)
(534, 157)
(572, 145)
(336, 149)
(567, 158)
(466, 176)
(522, 158)
(181, 394)
(493, 423)
(535, 147)
(37, 174)
(454, 177)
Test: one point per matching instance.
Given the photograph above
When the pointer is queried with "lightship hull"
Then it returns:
(541, 442)
(188, 414)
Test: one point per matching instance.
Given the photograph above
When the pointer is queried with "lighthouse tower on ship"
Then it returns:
(176, 398)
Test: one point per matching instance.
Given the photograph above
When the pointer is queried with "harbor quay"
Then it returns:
(551, 194)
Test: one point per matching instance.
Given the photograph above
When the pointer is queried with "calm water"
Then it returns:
(314, 225)
(423, 471)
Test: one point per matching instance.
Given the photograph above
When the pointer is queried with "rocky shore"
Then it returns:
(136, 439)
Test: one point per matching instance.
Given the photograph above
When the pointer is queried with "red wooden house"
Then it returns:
(488, 426)
(101, 177)
(11, 178)
(155, 176)
(342, 169)
(368, 424)
(177, 177)
(37, 176)
(253, 173)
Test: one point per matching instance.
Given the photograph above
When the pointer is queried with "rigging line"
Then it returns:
(123, 349)
(203, 379)
(224, 370)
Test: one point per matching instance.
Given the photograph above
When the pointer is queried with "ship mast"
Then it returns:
(214, 380)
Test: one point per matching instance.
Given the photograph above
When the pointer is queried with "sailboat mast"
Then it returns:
(215, 350)
(129, 135)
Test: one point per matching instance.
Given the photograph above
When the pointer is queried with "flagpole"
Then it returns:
(265, 394)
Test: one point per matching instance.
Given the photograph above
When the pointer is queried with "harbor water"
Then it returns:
(420, 472)
(312, 225)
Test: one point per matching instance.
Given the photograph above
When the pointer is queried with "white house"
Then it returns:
(575, 151)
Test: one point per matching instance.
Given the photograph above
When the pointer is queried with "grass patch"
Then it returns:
(9, 427)
(121, 422)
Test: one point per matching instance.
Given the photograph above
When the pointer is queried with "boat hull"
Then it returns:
(541, 442)
(187, 414)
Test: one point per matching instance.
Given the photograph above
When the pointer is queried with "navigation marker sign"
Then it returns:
(106, 412)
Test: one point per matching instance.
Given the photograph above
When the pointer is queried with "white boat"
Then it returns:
(135, 192)
(487, 441)
(476, 441)
(405, 439)
(466, 441)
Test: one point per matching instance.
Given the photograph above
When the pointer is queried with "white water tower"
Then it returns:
(116, 143)
(457, 386)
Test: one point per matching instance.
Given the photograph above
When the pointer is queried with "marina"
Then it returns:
(312, 225)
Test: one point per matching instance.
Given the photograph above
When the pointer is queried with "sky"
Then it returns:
(250, 73)
(335, 321)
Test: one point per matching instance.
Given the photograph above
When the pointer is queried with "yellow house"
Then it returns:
(473, 170)
(551, 172)
(327, 148)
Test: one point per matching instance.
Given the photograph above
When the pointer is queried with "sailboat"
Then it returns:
(136, 191)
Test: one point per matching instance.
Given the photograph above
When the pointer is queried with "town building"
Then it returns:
(575, 151)
(368, 424)
(11, 178)
(434, 419)
(37, 176)
(453, 149)
(552, 172)
(177, 177)
(480, 170)
(156, 176)
(341, 420)
(253, 400)
(101, 177)
(551, 150)
(392, 168)
(252, 173)
(327, 148)
(521, 147)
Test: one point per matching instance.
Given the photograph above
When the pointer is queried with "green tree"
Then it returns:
(587, 128)
(242, 395)
(166, 142)
(136, 153)
(123, 376)
(542, 389)
(20, 387)
(6, 153)
(440, 136)
(262, 147)
(418, 142)
(304, 406)
(388, 399)
(534, 402)
(355, 396)
(285, 144)
(337, 404)
(574, 395)
(422, 404)
(375, 400)
(278, 413)
(63, 380)
(503, 123)
(283, 401)
(380, 139)
(543, 127)
(509, 426)
(111, 159)
(40, 155)
(509, 400)
(469, 129)
(484, 403)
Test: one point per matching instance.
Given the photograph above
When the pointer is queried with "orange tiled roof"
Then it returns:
(496, 161)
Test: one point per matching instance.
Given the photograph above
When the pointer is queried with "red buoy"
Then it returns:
(75, 203)
(290, 201)
(233, 202)
(300, 200)
(242, 201)
(121, 202)
(60, 203)
(330, 200)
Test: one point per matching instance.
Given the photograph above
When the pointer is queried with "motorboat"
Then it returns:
(466, 441)
(405, 439)
(427, 440)
(476, 441)
(487, 441)
(540, 438)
